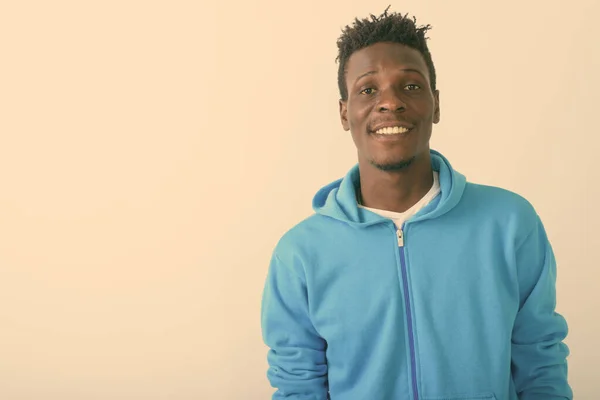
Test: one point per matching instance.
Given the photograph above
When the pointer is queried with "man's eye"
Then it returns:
(367, 91)
(413, 87)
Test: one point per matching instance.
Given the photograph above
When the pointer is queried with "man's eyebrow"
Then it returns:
(363, 75)
(401, 69)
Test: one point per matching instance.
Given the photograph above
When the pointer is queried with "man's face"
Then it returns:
(388, 85)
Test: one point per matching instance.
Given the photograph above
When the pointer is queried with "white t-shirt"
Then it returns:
(399, 218)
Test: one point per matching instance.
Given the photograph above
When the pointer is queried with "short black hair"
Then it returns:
(395, 28)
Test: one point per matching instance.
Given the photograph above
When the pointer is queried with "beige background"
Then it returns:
(152, 153)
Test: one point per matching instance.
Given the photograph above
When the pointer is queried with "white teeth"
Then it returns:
(391, 130)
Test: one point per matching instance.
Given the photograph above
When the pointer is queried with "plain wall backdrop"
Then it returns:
(153, 152)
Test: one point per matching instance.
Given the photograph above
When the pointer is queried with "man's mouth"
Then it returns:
(392, 130)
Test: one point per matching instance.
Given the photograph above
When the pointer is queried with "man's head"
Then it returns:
(386, 78)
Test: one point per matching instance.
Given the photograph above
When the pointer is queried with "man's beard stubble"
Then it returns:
(393, 166)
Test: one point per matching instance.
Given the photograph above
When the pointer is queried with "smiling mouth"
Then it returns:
(392, 130)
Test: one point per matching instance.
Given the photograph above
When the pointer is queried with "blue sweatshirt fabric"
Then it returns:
(463, 307)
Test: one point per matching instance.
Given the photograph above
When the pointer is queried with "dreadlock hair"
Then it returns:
(395, 28)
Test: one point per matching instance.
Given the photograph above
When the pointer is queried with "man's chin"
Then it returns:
(393, 166)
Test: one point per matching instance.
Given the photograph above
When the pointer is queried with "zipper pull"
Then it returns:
(400, 238)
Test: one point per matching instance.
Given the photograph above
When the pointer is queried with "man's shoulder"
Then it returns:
(306, 233)
(497, 196)
(501, 202)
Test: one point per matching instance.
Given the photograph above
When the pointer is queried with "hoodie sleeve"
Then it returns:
(539, 366)
(296, 357)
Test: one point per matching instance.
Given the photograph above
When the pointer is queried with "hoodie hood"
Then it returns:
(338, 199)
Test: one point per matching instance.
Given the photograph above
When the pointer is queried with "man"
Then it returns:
(409, 282)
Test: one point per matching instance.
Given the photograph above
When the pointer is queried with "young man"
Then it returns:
(409, 282)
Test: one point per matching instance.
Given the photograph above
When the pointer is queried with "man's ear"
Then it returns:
(436, 110)
(344, 114)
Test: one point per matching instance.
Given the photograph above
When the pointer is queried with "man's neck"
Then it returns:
(395, 191)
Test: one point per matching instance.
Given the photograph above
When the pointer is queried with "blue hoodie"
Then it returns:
(461, 307)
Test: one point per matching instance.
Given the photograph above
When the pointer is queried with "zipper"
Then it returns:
(411, 339)
(400, 235)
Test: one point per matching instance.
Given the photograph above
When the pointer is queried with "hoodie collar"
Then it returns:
(338, 199)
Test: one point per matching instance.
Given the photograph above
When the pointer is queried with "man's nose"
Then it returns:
(390, 101)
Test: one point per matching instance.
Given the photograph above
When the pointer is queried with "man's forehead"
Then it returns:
(385, 55)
